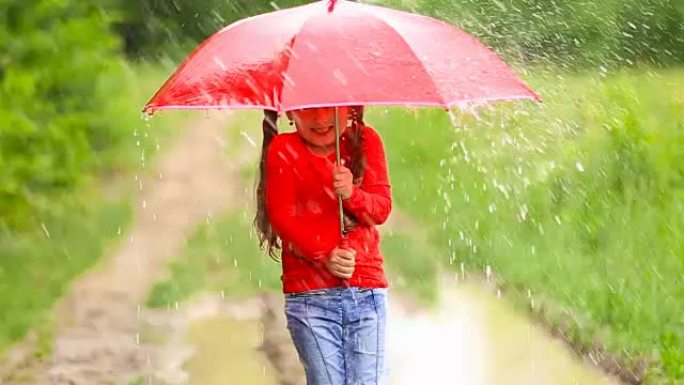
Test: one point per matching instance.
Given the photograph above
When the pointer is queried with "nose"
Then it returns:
(321, 114)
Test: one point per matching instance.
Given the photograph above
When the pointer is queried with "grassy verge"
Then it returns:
(576, 204)
(73, 229)
(222, 256)
(411, 266)
(36, 267)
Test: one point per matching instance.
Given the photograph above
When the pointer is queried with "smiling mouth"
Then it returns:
(322, 130)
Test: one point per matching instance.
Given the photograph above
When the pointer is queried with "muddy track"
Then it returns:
(98, 324)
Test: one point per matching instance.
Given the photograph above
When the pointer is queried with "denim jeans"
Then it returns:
(339, 334)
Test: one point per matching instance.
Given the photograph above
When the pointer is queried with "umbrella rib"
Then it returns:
(406, 43)
(532, 94)
(173, 79)
(287, 67)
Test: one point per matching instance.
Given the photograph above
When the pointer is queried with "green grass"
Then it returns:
(412, 266)
(222, 256)
(71, 230)
(137, 381)
(579, 200)
(36, 267)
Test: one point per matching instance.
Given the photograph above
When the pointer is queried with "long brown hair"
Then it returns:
(268, 240)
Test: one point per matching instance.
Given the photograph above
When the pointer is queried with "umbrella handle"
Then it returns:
(345, 282)
(337, 154)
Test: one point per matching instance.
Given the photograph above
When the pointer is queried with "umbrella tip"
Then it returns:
(147, 112)
(331, 5)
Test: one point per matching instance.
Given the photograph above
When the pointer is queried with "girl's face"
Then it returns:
(317, 125)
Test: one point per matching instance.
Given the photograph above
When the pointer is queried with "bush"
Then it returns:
(56, 57)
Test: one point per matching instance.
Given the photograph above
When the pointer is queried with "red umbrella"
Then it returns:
(336, 53)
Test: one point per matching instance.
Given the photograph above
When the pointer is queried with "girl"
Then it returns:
(335, 287)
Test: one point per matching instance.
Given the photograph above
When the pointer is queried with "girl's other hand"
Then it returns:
(341, 262)
(342, 181)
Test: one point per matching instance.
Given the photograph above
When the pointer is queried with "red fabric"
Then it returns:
(357, 54)
(303, 210)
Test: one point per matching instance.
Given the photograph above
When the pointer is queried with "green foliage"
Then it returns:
(412, 266)
(56, 59)
(573, 32)
(153, 28)
(69, 119)
(36, 267)
(578, 200)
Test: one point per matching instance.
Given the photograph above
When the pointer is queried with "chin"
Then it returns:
(323, 142)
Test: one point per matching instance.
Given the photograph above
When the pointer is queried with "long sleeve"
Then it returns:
(371, 202)
(295, 231)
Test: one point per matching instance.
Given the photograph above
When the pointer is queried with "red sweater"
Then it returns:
(303, 211)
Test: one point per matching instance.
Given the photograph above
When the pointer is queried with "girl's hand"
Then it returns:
(342, 181)
(341, 262)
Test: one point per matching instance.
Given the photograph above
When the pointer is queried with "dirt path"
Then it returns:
(97, 338)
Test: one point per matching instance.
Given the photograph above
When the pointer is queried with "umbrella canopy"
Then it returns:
(336, 53)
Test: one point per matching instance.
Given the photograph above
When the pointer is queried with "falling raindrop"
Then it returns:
(248, 139)
(45, 230)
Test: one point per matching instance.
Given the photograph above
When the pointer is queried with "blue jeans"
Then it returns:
(339, 334)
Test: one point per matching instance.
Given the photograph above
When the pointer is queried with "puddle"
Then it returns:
(471, 337)
(468, 337)
(226, 353)
(524, 353)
